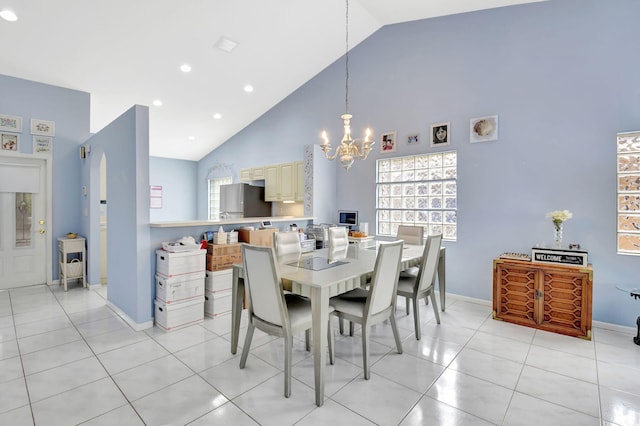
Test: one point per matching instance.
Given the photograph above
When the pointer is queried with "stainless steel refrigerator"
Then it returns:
(239, 200)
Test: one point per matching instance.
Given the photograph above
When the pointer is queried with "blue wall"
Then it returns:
(562, 77)
(178, 180)
(69, 109)
(125, 143)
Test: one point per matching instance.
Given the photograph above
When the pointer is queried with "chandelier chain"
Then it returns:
(346, 61)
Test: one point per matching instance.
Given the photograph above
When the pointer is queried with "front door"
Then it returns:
(22, 222)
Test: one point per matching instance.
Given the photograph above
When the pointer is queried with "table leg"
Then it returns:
(320, 314)
(636, 339)
(442, 280)
(237, 300)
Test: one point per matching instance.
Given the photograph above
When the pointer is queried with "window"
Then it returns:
(214, 195)
(418, 190)
(628, 208)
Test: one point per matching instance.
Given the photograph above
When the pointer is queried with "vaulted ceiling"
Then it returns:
(126, 52)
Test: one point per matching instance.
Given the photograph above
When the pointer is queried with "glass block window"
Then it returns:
(419, 190)
(214, 195)
(628, 196)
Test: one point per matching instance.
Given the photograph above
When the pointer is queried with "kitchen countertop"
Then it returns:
(186, 223)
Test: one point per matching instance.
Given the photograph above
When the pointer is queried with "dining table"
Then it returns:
(321, 275)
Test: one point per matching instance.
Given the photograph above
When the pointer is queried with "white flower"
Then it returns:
(560, 215)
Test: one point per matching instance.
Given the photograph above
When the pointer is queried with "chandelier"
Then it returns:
(349, 149)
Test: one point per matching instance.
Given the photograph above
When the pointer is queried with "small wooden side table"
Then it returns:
(72, 259)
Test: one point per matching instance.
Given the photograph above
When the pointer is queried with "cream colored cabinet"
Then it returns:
(271, 183)
(254, 173)
(299, 195)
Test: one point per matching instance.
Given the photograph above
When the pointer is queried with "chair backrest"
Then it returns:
(262, 280)
(384, 282)
(287, 243)
(410, 234)
(338, 238)
(429, 263)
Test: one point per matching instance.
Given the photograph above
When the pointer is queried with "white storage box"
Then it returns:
(217, 304)
(180, 288)
(178, 315)
(232, 237)
(173, 264)
(218, 280)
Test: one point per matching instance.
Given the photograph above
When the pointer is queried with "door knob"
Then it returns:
(41, 222)
(42, 231)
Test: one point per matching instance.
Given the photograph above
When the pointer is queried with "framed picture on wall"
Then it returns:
(440, 134)
(43, 127)
(42, 144)
(413, 139)
(483, 129)
(10, 123)
(388, 142)
(9, 142)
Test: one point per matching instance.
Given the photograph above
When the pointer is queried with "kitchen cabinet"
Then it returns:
(299, 193)
(282, 182)
(254, 173)
(556, 298)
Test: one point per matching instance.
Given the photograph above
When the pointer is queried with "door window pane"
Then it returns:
(23, 219)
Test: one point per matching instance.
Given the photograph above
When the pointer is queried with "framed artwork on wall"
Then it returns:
(388, 142)
(42, 144)
(10, 123)
(43, 127)
(483, 129)
(413, 139)
(9, 142)
(440, 134)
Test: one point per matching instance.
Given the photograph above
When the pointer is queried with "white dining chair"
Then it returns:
(270, 309)
(338, 238)
(410, 235)
(421, 285)
(287, 243)
(373, 306)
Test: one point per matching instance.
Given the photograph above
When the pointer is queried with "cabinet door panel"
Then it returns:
(271, 183)
(565, 300)
(287, 182)
(514, 294)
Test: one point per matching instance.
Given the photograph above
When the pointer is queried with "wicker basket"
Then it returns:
(74, 268)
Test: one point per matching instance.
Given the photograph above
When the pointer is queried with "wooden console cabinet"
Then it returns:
(549, 297)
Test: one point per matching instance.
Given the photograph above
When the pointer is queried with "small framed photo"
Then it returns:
(10, 123)
(43, 127)
(388, 142)
(440, 134)
(483, 129)
(413, 139)
(42, 144)
(9, 142)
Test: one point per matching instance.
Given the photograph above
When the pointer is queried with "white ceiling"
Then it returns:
(126, 52)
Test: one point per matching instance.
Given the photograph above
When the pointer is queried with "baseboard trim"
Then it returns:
(614, 327)
(136, 326)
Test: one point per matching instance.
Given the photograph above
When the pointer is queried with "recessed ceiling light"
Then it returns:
(185, 68)
(157, 102)
(217, 116)
(192, 138)
(8, 15)
(226, 44)
(248, 88)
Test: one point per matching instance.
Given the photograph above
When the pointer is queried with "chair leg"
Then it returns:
(396, 335)
(351, 328)
(247, 345)
(288, 345)
(406, 300)
(307, 339)
(365, 351)
(331, 342)
(435, 306)
(416, 317)
(341, 325)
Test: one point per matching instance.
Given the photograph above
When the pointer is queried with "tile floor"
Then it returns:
(66, 359)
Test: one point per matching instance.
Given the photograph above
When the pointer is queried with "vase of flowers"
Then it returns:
(558, 217)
